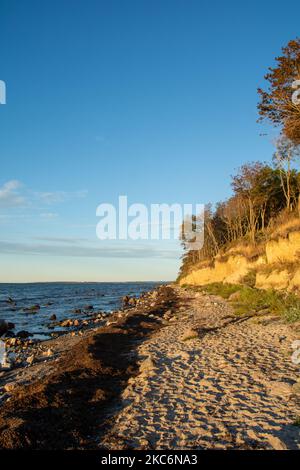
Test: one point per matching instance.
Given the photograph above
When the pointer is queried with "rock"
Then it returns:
(10, 301)
(48, 353)
(9, 334)
(77, 310)
(76, 323)
(53, 317)
(189, 334)
(6, 363)
(13, 341)
(235, 296)
(66, 323)
(30, 360)
(88, 307)
(147, 364)
(296, 388)
(32, 309)
(110, 322)
(168, 314)
(23, 334)
(129, 301)
(281, 389)
(9, 387)
(5, 326)
(281, 338)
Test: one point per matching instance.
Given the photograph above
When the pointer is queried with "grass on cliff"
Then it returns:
(250, 300)
(222, 289)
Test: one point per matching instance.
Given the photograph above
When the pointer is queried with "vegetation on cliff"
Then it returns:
(264, 196)
(249, 301)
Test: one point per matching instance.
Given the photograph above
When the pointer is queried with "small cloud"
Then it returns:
(9, 194)
(68, 240)
(55, 197)
(84, 251)
(14, 194)
(48, 215)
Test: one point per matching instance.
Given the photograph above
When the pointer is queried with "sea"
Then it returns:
(61, 299)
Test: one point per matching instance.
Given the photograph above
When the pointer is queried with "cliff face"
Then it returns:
(277, 268)
(284, 249)
(233, 270)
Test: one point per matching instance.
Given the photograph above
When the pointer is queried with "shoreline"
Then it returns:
(28, 350)
(38, 309)
(104, 356)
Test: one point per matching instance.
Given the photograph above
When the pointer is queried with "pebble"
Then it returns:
(30, 360)
(9, 387)
(48, 353)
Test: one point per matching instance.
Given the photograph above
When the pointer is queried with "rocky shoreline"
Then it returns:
(26, 385)
(21, 350)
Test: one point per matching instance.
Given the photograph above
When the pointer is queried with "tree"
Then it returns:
(276, 103)
(245, 185)
(283, 159)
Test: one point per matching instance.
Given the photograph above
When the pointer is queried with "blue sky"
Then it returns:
(152, 99)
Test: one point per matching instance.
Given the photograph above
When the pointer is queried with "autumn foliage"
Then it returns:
(276, 103)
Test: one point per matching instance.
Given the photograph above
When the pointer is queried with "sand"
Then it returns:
(179, 371)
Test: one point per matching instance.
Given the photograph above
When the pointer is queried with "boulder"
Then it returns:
(32, 309)
(9, 334)
(147, 364)
(53, 317)
(48, 353)
(88, 307)
(23, 334)
(235, 296)
(5, 326)
(168, 314)
(9, 387)
(190, 333)
(30, 360)
(12, 342)
(129, 301)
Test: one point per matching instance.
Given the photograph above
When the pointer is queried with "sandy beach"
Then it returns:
(177, 371)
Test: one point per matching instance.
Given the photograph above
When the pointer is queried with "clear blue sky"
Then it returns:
(155, 99)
